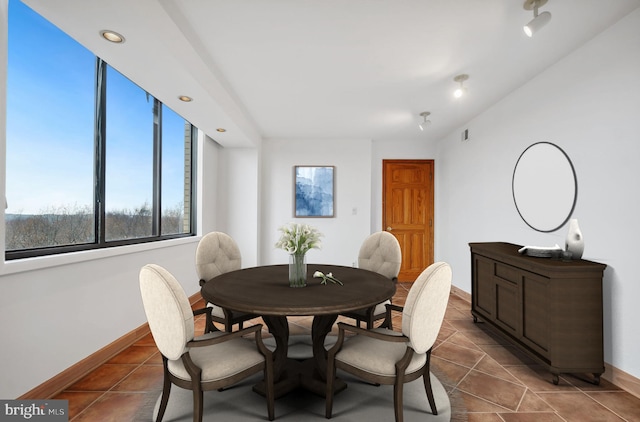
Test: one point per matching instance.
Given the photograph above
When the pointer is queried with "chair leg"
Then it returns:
(197, 404)
(268, 377)
(426, 378)
(397, 398)
(331, 376)
(166, 389)
(427, 386)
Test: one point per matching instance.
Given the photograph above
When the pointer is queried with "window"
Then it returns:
(92, 159)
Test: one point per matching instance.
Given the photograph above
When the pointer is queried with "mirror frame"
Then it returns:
(575, 182)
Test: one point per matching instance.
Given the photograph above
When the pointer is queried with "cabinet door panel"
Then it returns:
(483, 288)
(508, 309)
(535, 302)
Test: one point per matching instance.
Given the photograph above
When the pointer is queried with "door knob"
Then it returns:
(389, 228)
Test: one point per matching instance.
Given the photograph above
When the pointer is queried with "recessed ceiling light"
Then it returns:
(185, 98)
(112, 36)
(221, 130)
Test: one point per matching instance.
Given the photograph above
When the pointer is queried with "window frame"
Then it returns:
(99, 182)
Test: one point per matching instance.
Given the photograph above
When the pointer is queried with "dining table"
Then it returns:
(265, 291)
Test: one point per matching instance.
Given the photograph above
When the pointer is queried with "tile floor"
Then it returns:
(493, 381)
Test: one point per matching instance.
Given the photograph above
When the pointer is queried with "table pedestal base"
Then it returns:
(300, 374)
(289, 373)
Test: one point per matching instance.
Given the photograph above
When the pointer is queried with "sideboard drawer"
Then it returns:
(509, 273)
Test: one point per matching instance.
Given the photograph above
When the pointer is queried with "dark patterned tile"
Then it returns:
(145, 378)
(578, 407)
(114, 407)
(531, 417)
(494, 390)
(78, 401)
(134, 354)
(103, 378)
(458, 354)
(620, 402)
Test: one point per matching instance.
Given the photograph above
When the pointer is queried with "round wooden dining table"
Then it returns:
(265, 291)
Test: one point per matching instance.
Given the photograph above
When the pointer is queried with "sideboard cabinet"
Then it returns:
(549, 308)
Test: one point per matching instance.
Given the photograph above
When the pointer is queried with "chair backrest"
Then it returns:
(426, 305)
(217, 253)
(380, 252)
(168, 311)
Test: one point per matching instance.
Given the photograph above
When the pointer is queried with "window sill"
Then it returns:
(41, 262)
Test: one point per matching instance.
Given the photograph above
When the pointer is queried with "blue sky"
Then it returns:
(50, 119)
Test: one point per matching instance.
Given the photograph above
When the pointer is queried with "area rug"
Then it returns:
(359, 402)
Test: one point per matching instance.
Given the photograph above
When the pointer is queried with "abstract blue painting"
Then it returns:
(314, 190)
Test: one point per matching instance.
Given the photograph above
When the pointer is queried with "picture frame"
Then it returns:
(314, 191)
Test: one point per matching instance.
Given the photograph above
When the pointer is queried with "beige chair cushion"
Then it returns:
(235, 356)
(168, 311)
(425, 306)
(217, 253)
(381, 253)
(379, 309)
(376, 356)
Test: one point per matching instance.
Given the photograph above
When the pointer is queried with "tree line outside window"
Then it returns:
(93, 160)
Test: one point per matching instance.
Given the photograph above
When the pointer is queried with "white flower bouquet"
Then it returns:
(298, 239)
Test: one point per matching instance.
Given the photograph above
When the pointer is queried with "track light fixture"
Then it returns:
(461, 90)
(424, 123)
(539, 20)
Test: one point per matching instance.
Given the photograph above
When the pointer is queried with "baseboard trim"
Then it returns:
(621, 379)
(616, 376)
(64, 379)
(461, 293)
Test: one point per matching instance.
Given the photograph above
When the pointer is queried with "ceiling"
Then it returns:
(329, 69)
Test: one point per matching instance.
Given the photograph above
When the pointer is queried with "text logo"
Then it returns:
(34, 410)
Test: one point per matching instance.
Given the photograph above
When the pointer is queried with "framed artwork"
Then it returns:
(314, 188)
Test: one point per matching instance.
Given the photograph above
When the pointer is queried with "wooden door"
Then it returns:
(407, 196)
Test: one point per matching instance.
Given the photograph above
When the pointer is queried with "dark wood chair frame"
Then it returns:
(368, 317)
(397, 381)
(197, 386)
(230, 318)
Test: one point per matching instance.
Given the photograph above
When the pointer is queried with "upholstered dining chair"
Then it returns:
(209, 362)
(217, 253)
(383, 356)
(380, 252)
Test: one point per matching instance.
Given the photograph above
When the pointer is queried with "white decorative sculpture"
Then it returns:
(575, 241)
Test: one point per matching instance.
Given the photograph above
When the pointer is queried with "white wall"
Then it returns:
(343, 234)
(241, 179)
(588, 104)
(210, 191)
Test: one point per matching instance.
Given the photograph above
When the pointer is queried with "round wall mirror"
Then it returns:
(544, 186)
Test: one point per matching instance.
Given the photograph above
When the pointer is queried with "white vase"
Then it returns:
(575, 241)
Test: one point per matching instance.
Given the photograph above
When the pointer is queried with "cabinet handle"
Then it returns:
(389, 228)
